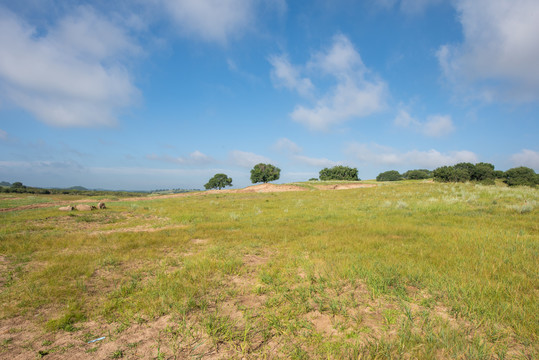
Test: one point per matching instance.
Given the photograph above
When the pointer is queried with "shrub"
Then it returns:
(521, 176)
(391, 175)
(462, 172)
(339, 172)
(418, 174)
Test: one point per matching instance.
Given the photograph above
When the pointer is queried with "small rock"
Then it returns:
(82, 207)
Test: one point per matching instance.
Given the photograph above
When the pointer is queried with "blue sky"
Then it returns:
(151, 94)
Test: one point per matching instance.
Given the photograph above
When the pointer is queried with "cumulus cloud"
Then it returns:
(357, 92)
(438, 125)
(378, 154)
(411, 7)
(287, 145)
(527, 158)
(404, 119)
(294, 152)
(211, 20)
(286, 75)
(434, 126)
(498, 57)
(70, 75)
(247, 159)
(318, 162)
(194, 158)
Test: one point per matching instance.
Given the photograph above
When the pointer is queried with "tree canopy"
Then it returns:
(417, 174)
(462, 172)
(339, 172)
(218, 181)
(521, 176)
(391, 175)
(265, 173)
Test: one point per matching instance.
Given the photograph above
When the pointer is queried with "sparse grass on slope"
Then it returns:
(405, 270)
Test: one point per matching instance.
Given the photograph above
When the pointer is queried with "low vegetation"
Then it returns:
(412, 269)
(339, 172)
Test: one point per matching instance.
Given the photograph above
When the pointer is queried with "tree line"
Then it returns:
(482, 172)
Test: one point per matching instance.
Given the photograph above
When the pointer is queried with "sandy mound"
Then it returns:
(343, 186)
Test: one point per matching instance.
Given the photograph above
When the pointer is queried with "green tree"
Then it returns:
(391, 175)
(218, 181)
(339, 172)
(264, 173)
(418, 174)
(499, 174)
(483, 172)
(521, 176)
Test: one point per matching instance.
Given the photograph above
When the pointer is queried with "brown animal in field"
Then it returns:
(66, 208)
(83, 207)
(101, 205)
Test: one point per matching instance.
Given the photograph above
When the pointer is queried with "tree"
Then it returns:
(521, 176)
(264, 173)
(339, 172)
(451, 174)
(418, 174)
(499, 174)
(483, 172)
(391, 175)
(218, 181)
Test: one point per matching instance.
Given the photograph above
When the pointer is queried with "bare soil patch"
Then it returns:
(140, 228)
(262, 188)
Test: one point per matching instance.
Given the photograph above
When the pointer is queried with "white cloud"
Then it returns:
(527, 158)
(411, 7)
(498, 58)
(287, 145)
(404, 119)
(286, 75)
(416, 6)
(294, 152)
(377, 154)
(211, 20)
(434, 126)
(318, 162)
(195, 158)
(353, 96)
(438, 125)
(3, 135)
(72, 74)
(247, 159)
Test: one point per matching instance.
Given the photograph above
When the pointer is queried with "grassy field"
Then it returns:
(411, 270)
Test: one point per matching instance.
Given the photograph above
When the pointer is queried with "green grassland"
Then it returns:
(412, 270)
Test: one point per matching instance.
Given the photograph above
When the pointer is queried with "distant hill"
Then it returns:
(81, 188)
(5, 183)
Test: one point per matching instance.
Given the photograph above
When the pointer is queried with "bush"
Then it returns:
(339, 173)
(264, 173)
(521, 176)
(483, 172)
(391, 175)
(462, 172)
(498, 174)
(419, 174)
